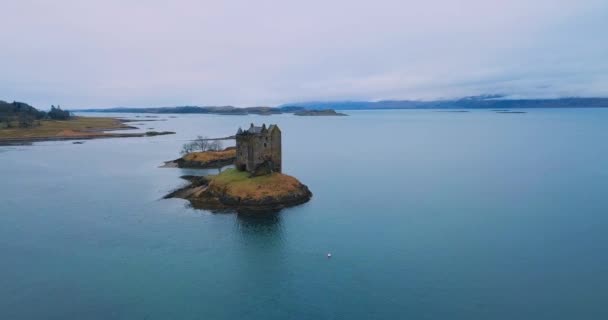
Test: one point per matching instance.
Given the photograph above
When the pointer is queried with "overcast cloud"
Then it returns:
(248, 53)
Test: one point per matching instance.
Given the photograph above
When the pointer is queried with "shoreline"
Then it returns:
(234, 191)
(80, 128)
(204, 159)
(22, 141)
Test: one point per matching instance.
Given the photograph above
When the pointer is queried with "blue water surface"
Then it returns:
(428, 215)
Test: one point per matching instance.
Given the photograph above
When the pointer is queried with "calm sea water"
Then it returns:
(428, 215)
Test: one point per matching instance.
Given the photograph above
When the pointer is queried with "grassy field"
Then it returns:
(80, 126)
(239, 184)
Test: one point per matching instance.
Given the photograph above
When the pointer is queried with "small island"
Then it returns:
(204, 159)
(510, 111)
(234, 190)
(324, 112)
(255, 185)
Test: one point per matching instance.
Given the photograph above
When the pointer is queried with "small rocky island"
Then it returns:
(204, 159)
(255, 185)
(325, 112)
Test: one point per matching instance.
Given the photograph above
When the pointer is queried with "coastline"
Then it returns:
(204, 160)
(234, 191)
(80, 128)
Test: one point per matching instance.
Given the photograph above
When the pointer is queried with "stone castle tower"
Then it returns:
(258, 149)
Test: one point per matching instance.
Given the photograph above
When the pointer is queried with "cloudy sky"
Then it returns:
(266, 52)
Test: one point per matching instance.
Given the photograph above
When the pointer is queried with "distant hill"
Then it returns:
(225, 110)
(475, 102)
(18, 114)
(20, 108)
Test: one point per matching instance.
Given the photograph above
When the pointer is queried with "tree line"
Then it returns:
(22, 115)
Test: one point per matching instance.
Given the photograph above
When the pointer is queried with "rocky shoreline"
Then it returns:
(257, 195)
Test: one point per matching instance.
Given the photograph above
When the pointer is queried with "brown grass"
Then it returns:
(209, 156)
(238, 184)
(80, 126)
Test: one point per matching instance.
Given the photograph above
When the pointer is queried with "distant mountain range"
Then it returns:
(474, 102)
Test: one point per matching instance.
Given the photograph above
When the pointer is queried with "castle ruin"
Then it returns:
(258, 149)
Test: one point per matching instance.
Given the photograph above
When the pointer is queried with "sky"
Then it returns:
(97, 54)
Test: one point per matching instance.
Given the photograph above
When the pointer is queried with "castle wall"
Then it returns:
(275, 150)
(244, 154)
(256, 149)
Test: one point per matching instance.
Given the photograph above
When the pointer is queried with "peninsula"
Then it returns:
(21, 123)
(255, 185)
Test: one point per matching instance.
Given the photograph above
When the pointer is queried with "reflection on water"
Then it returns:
(202, 172)
(260, 233)
(259, 226)
(261, 248)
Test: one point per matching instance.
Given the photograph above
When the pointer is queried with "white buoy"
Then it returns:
(329, 255)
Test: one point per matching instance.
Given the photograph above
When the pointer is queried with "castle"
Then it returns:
(258, 149)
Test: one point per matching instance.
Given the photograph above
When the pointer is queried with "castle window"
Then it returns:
(264, 144)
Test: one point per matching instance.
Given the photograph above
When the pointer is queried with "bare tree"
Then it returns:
(188, 148)
(215, 145)
(201, 144)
